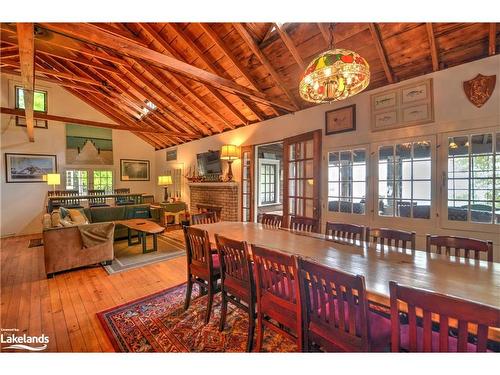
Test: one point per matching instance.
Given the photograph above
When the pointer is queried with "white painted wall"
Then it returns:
(453, 112)
(22, 204)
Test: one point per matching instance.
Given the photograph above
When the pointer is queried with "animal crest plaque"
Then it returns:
(479, 89)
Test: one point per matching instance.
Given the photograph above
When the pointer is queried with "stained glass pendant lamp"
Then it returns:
(336, 74)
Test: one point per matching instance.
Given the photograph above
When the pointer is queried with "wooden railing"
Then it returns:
(135, 197)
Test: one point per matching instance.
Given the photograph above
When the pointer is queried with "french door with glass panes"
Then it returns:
(302, 163)
(247, 185)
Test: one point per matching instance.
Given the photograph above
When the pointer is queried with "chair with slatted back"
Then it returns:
(203, 267)
(99, 200)
(349, 232)
(336, 314)
(418, 335)
(391, 237)
(272, 220)
(204, 218)
(278, 300)
(454, 245)
(304, 224)
(237, 284)
(123, 200)
(73, 200)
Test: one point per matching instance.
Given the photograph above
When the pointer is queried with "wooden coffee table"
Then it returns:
(143, 228)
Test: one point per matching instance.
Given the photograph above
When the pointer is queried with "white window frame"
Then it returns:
(392, 220)
(470, 226)
(90, 175)
(367, 157)
(277, 185)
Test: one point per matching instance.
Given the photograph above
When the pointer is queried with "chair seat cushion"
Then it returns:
(216, 262)
(452, 341)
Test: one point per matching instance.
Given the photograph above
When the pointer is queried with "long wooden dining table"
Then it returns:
(472, 280)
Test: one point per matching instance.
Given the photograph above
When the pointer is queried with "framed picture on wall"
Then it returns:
(340, 120)
(172, 155)
(29, 167)
(134, 170)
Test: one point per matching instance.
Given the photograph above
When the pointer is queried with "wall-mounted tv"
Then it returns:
(209, 163)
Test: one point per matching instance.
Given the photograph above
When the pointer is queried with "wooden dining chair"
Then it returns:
(453, 246)
(391, 237)
(304, 224)
(204, 218)
(99, 200)
(272, 220)
(203, 266)
(237, 284)
(350, 232)
(418, 335)
(336, 314)
(123, 200)
(278, 299)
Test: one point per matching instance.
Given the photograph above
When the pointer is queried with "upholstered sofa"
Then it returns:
(65, 247)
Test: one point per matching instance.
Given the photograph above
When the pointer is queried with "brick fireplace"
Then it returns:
(223, 194)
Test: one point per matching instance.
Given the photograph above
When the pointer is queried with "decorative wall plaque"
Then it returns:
(479, 89)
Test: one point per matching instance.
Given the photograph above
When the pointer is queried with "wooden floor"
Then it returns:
(64, 308)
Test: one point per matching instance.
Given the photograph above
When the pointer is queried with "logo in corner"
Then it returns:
(22, 342)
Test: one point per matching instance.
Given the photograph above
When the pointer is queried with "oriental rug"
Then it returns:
(158, 323)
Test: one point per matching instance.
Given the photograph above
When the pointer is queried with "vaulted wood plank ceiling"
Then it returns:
(208, 78)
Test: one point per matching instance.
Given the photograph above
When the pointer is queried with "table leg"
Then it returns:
(155, 243)
(129, 233)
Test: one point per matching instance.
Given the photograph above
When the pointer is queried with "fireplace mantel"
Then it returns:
(214, 184)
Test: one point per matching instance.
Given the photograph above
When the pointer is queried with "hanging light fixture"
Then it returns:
(334, 75)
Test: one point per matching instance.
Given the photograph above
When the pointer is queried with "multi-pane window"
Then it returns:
(404, 180)
(77, 180)
(84, 179)
(39, 99)
(347, 181)
(103, 180)
(268, 174)
(39, 105)
(474, 178)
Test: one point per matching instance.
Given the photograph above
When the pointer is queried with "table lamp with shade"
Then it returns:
(53, 179)
(165, 181)
(230, 153)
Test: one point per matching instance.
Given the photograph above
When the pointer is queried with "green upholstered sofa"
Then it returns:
(136, 211)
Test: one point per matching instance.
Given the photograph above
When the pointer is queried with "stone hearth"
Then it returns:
(223, 194)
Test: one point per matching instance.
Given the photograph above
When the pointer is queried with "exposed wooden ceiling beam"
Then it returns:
(124, 101)
(492, 39)
(231, 56)
(92, 34)
(324, 31)
(177, 79)
(203, 57)
(433, 46)
(263, 59)
(381, 53)
(25, 32)
(157, 91)
(99, 124)
(61, 82)
(289, 45)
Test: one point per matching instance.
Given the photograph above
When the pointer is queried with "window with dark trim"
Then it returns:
(39, 105)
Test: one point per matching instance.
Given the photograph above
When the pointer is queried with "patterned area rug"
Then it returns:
(158, 323)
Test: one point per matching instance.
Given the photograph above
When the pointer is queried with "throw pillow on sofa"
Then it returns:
(77, 217)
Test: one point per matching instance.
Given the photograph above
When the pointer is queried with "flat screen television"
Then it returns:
(209, 163)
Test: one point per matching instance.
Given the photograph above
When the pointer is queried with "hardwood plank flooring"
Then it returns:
(64, 308)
